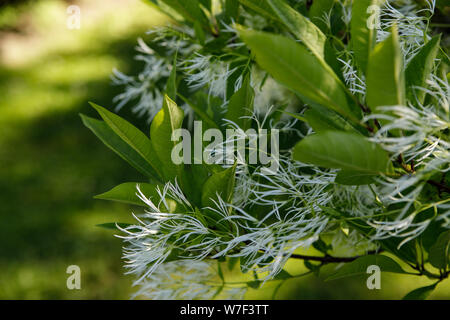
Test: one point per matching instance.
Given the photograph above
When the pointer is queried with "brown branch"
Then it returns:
(440, 186)
(330, 259)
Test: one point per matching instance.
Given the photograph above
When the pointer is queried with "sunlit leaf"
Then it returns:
(240, 107)
(421, 293)
(292, 65)
(385, 74)
(342, 150)
(360, 265)
(135, 138)
(364, 29)
(439, 255)
(168, 119)
(115, 143)
(419, 69)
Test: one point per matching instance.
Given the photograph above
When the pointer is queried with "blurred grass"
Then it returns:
(51, 166)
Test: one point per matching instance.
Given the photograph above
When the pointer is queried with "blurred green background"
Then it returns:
(51, 166)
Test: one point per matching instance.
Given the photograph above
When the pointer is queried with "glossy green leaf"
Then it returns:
(240, 106)
(219, 184)
(231, 263)
(419, 69)
(282, 275)
(300, 26)
(291, 64)
(439, 255)
(232, 9)
(420, 293)
(207, 4)
(115, 143)
(132, 136)
(323, 119)
(201, 113)
(171, 86)
(360, 265)
(318, 10)
(128, 193)
(294, 115)
(190, 10)
(199, 33)
(168, 119)
(385, 74)
(342, 150)
(259, 6)
(363, 29)
(161, 6)
(354, 178)
(255, 284)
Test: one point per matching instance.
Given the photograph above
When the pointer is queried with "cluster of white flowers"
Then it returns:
(146, 90)
(208, 72)
(187, 280)
(293, 200)
(144, 87)
(411, 22)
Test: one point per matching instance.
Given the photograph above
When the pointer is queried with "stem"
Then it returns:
(440, 186)
(330, 259)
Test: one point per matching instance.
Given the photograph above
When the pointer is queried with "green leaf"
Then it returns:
(318, 10)
(127, 193)
(241, 105)
(283, 275)
(420, 293)
(161, 6)
(323, 119)
(312, 267)
(232, 261)
(440, 251)
(166, 121)
(419, 69)
(321, 246)
(232, 9)
(364, 38)
(199, 33)
(190, 10)
(207, 4)
(385, 74)
(301, 27)
(259, 6)
(202, 114)
(294, 115)
(115, 143)
(132, 136)
(255, 284)
(360, 265)
(292, 65)
(342, 150)
(171, 87)
(220, 272)
(222, 184)
(354, 178)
